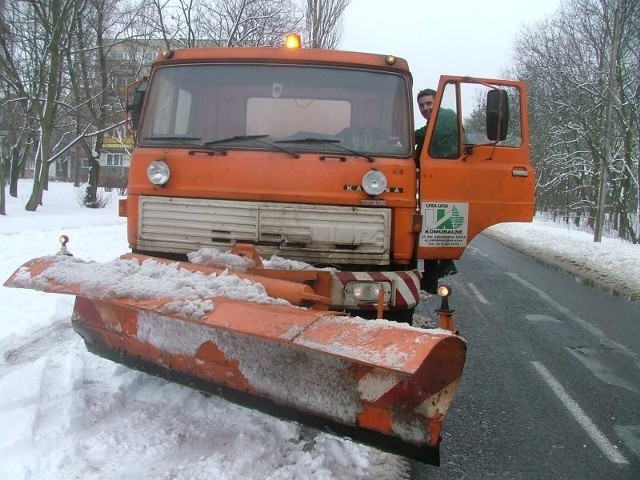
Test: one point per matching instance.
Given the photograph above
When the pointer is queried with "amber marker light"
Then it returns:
(122, 207)
(416, 224)
(293, 41)
(63, 239)
(444, 291)
(166, 53)
(444, 312)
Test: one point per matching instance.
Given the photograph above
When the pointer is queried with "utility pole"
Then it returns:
(602, 196)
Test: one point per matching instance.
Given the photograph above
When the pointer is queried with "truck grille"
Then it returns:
(312, 233)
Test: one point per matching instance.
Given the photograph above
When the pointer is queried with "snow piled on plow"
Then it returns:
(212, 257)
(314, 379)
(127, 278)
(367, 348)
(281, 373)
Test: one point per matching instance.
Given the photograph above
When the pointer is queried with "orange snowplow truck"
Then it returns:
(298, 165)
(309, 155)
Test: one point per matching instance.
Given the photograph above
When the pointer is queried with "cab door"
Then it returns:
(475, 167)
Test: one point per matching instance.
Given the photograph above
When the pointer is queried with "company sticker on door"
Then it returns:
(444, 224)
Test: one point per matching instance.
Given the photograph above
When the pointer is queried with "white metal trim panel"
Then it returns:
(313, 233)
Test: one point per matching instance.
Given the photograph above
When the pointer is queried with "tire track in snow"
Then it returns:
(49, 340)
(61, 373)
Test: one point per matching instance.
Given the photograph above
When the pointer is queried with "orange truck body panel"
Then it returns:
(496, 183)
(273, 177)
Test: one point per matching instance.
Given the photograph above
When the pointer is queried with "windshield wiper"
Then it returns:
(186, 138)
(235, 138)
(172, 137)
(325, 141)
(253, 138)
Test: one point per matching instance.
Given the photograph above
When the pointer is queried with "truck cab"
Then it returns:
(309, 155)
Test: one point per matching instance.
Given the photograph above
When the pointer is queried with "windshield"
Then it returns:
(319, 109)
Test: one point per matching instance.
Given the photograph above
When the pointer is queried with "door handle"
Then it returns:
(520, 172)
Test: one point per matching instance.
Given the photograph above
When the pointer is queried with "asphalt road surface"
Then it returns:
(551, 387)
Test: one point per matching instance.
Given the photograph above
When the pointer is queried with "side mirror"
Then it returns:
(134, 109)
(497, 115)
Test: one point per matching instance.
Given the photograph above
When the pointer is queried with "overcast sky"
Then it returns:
(457, 37)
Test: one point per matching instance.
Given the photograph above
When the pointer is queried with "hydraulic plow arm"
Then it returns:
(382, 383)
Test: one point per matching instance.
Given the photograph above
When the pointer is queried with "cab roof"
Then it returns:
(307, 56)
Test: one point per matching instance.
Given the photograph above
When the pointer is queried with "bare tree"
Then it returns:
(53, 20)
(20, 62)
(33, 37)
(94, 97)
(252, 22)
(172, 20)
(62, 87)
(323, 22)
(567, 61)
(224, 23)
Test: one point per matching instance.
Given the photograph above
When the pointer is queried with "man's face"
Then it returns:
(425, 104)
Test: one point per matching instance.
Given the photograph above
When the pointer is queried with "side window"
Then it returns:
(170, 105)
(445, 138)
(474, 113)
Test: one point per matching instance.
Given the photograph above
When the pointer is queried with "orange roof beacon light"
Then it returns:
(293, 41)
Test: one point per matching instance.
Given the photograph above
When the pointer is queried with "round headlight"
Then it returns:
(158, 172)
(374, 182)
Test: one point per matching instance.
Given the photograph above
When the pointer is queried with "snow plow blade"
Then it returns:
(381, 383)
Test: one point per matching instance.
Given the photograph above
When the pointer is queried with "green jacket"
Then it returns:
(444, 143)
